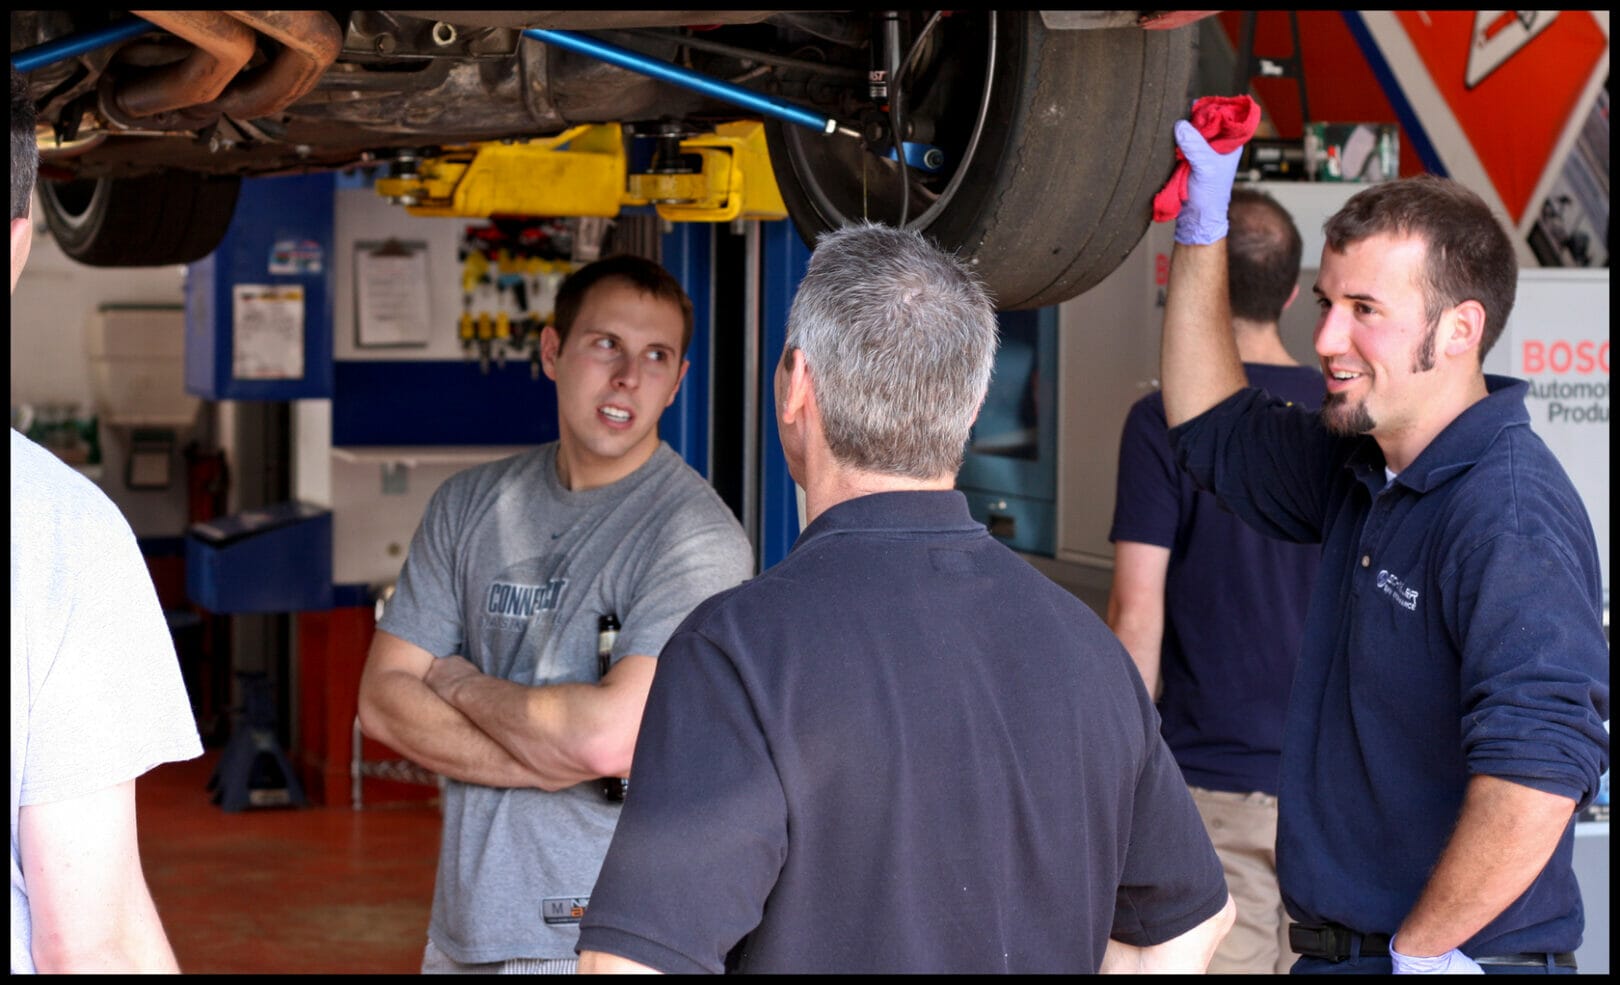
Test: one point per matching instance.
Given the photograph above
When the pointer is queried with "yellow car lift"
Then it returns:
(584, 171)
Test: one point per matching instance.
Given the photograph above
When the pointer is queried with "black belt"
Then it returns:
(1335, 942)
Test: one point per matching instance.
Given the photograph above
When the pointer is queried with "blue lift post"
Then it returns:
(687, 252)
(783, 263)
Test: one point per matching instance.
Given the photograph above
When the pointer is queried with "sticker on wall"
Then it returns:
(267, 332)
(295, 256)
(392, 300)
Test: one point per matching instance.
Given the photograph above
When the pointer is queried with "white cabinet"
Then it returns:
(1108, 358)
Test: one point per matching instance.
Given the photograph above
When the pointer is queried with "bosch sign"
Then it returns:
(1561, 356)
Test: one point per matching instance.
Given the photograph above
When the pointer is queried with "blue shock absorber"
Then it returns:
(674, 74)
(77, 44)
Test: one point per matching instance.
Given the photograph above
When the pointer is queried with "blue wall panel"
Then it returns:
(396, 402)
(688, 253)
(784, 258)
(271, 213)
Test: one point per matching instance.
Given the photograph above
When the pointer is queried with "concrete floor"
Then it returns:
(279, 890)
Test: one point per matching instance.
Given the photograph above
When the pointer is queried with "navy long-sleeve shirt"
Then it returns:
(1455, 630)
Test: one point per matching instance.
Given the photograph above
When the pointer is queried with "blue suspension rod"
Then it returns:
(674, 74)
(77, 44)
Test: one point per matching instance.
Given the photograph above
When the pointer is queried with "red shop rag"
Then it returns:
(1226, 122)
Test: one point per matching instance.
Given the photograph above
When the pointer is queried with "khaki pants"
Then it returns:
(1243, 828)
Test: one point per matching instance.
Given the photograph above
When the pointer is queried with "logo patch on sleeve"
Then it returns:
(564, 909)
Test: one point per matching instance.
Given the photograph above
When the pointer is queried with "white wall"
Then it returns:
(51, 307)
(50, 363)
(377, 495)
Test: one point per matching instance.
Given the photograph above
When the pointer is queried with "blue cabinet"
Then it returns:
(259, 308)
(275, 559)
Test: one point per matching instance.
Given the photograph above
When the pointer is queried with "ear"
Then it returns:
(550, 343)
(800, 396)
(686, 364)
(22, 237)
(1291, 296)
(1463, 328)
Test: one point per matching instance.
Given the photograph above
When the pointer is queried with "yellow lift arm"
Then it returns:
(584, 171)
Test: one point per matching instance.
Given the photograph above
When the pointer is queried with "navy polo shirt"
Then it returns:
(1234, 601)
(1455, 630)
(902, 749)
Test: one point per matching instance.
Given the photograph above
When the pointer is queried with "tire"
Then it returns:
(152, 221)
(1049, 180)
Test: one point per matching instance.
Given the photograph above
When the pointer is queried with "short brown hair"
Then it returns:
(1469, 256)
(1263, 253)
(641, 273)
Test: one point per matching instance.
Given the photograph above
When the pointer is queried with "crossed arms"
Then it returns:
(447, 716)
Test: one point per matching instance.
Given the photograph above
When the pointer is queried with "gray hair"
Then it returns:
(900, 339)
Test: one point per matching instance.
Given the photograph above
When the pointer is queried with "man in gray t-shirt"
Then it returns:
(484, 667)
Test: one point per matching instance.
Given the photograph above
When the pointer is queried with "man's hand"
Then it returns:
(1453, 962)
(446, 673)
(602, 963)
(1202, 219)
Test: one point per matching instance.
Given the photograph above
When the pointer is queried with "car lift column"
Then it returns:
(724, 422)
(687, 252)
(784, 260)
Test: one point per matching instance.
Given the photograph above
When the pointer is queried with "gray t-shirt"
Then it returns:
(512, 571)
(96, 693)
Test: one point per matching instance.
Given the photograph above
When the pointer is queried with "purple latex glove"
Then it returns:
(1453, 962)
(1202, 219)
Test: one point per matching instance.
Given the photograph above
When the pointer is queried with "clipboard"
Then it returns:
(392, 299)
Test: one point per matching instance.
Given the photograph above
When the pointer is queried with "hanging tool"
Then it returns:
(486, 337)
(474, 271)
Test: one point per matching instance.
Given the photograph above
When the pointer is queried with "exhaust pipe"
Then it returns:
(310, 39)
(210, 80)
(224, 45)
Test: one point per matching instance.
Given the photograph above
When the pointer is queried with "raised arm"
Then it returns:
(1199, 365)
(563, 733)
(88, 901)
(398, 708)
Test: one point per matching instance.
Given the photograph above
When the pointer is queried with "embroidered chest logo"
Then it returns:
(1406, 598)
(510, 600)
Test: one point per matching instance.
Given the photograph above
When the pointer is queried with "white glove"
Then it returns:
(1453, 962)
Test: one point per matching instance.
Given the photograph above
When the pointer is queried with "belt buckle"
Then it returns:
(1330, 942)
(1339, 941)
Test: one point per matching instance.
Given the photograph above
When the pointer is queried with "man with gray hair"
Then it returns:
(914, 752)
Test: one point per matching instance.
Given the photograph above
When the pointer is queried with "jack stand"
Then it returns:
(253, 772)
